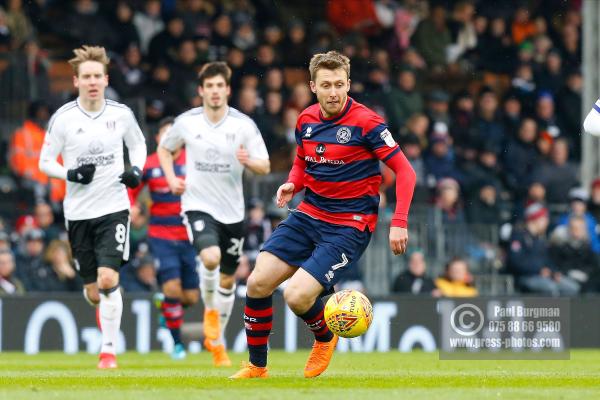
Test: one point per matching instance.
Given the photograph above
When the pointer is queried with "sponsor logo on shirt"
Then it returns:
(308, 132)
(323, 160)
(386, 136)
(320, 149)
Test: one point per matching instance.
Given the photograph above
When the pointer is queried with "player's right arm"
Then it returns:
(170, 143)
(591, 124)
(54, 142)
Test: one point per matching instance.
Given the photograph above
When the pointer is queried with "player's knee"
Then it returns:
(257, 287)
(210, 257)
(108, 279)
(227, 281)
(91, 296)
(190, 298)
(296, 299)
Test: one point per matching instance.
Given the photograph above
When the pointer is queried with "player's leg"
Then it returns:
(82, 248)
(288, 246)
(111, 236)
(202, 229)
(168, 275)
(337, 252)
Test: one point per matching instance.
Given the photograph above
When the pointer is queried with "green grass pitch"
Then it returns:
(363, 376)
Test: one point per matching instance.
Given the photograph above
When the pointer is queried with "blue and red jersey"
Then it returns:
(165, 213)
(337, 162)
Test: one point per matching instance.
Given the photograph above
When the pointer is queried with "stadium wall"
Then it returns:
(66, 323)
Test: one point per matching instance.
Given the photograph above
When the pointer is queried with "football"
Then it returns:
(348, 313)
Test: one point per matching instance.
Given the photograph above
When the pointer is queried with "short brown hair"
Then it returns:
(330, 60)
(89, 53)
(214, 69)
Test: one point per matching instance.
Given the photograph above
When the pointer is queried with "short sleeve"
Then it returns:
(255, 143)
(173, 139)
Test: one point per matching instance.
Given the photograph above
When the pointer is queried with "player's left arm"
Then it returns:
(136, 145)
(254, 155)
(387, 150)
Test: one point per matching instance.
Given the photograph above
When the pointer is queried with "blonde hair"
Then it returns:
(330, 60)
(89, 53)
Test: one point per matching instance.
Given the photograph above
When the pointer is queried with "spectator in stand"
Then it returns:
(414, 279)
(258, 229)
(439, 162)
(461, 127)
(403, 100)
(570, 46)
(125, 32)
(44, 219)
(148, 23)
(165, 44)
(431, 39)
(128, 75)
(528, 258)
(139, 275)
(568, 101)
(484, 206)
(9, 284)
(197, 15)
(512, 114)
(58, 273)
(487, 122)
(30, 260)
(462, 30)
(417, 125)
(5, 240)
(456, 281)
(411, 147)
(557, 175)
(438, 107)
(520, 158)
(551, 77)
(522, 27)
(571, 252)
(18, 23)
(495, 49)
(24, 153)
(578, 198)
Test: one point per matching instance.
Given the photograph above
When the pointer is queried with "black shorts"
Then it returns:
(99, 242)
(204, 231)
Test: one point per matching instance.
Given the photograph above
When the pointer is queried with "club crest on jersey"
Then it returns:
(111, 125)
(212, 154)
(96, 147)
(386, 136)
(320, 149)
(343, 135)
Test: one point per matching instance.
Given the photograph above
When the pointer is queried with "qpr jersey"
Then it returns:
(213, 182)
(341, 157)
(97, 138)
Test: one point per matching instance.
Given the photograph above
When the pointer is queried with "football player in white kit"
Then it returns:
(89, 134)
(220, 142)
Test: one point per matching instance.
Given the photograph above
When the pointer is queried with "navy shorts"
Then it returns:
(324, 250)
(175, 259)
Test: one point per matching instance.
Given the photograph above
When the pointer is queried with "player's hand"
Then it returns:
(398, 240)
(131, 178)
(82, 174)
(177, 186)
(242, 155)
(285, 194)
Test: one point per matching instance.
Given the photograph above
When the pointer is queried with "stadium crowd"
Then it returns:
(483, 96)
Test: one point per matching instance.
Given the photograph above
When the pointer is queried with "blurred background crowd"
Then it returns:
(484, 98)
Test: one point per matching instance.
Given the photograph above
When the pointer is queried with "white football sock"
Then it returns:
(111, 309)
(225, 300)
(209, 281)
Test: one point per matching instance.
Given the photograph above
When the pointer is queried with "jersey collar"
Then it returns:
(90, 114)
(338, 116)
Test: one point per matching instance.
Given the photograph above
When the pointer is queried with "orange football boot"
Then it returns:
(250, 370)
(107, 361)
(319, 358)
